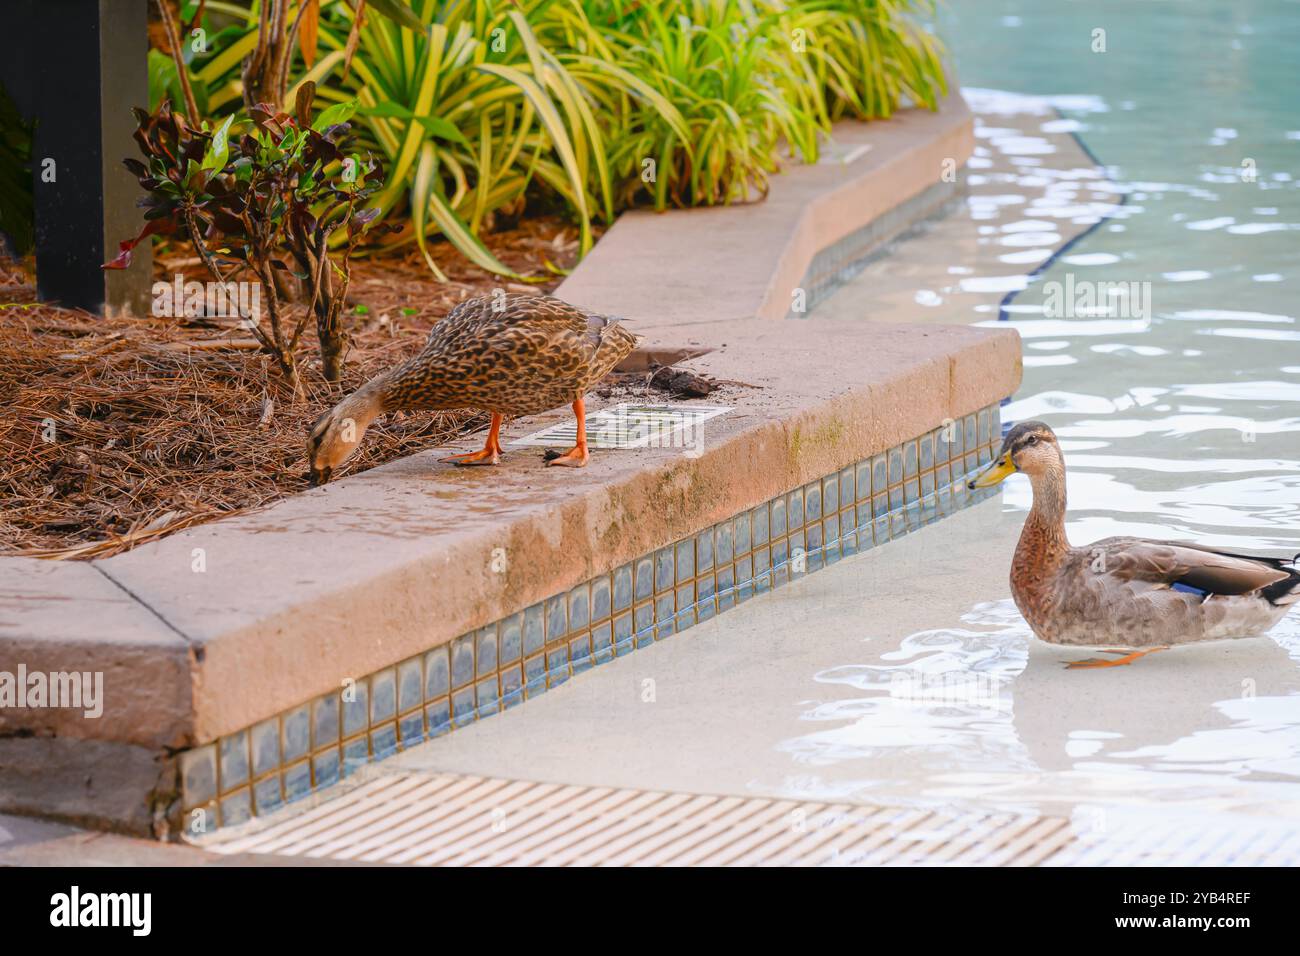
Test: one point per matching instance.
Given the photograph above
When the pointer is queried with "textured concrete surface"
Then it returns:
(103, 765)
(746, 260)
(66, 616)
(789, 695)
(100, 783)
(212, 629)
(350, 578)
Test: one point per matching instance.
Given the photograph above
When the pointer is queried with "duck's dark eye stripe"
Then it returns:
(1024, 443)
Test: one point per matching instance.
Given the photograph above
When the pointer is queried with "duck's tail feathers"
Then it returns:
(1286, 592)
(615, 331)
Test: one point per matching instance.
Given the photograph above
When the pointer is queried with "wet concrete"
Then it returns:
(904, 675)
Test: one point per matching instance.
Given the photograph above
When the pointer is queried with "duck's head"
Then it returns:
(337, 434)
(1030, 448)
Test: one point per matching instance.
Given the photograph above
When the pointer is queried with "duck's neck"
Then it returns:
(410, 387)
(1043, 543)
(365, 404)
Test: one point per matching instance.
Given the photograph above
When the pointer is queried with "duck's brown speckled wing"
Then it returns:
(515, 354)
(1165, 563)
(1134, 592)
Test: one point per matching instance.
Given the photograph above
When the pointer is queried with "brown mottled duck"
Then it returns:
(509, 355)
(1132, 594)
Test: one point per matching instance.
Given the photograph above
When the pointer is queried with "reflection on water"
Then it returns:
(944, 691)
(1205, 385)
(1179, 414)
(980, 710)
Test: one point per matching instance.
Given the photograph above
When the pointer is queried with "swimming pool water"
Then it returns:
(1178, 407)
(1186, 425)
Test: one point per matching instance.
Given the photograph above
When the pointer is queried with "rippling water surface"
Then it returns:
(1184, 422)
(1178, 407)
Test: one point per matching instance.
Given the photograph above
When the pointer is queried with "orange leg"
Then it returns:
(1128, 658)
(491, 453)
(575, 457)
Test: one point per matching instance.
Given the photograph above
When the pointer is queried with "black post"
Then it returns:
(77, 67)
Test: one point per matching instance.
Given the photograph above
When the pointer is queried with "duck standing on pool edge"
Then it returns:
(1130, 593)
(509, 355)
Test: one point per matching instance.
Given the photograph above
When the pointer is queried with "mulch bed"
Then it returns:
(115, 432)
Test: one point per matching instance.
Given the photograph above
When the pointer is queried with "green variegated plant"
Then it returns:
(480, 106)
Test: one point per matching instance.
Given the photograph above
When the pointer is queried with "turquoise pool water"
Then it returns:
(1177, 403)
(1186, 425)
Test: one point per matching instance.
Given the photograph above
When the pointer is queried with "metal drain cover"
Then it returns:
(628, 425)
(464, 820)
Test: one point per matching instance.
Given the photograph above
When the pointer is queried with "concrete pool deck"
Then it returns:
(1180, 759)
(688, 769)
(220, 631)
(754, 710)
(786, 710)
(26, 841)
(762, 702)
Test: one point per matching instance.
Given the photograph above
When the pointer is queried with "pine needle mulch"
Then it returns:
(114, 432)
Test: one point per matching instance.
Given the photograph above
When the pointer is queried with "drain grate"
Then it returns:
(456, 820)
(627, 425)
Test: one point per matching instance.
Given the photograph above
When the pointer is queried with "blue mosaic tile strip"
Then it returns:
(839, 262)
(653, 597)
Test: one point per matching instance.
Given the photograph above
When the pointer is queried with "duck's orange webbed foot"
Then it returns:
(491, 453)
(575, 457)
(1128, 658)
(488, 456)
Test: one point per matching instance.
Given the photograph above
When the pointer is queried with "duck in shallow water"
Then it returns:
(509, 355)
(1133, 594)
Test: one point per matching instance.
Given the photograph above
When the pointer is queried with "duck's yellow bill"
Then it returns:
(1000, 470)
